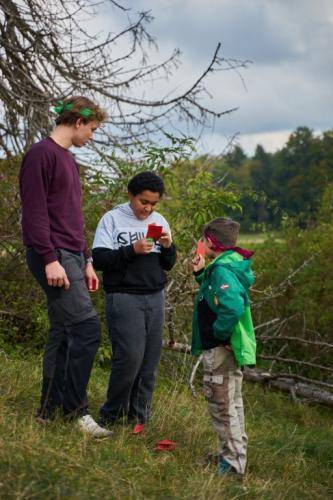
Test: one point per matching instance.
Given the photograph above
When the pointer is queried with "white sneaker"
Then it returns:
(87, 424)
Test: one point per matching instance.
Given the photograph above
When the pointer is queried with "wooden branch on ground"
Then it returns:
(278, 354)
(295, 362)
(193, 374)
(290, 385)
(177, 346)
(267, 323)
(296, 339)
(301, 378)
(285, 382)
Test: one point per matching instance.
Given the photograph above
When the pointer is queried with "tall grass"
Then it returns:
(290, 452)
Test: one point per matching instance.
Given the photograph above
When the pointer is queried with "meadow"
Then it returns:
(290, 450)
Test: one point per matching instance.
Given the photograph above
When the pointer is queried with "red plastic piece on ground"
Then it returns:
(165, 445)
(138, 428)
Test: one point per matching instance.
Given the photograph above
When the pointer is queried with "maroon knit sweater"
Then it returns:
(51, 200)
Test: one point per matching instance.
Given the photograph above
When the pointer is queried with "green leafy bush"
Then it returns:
(191, 199)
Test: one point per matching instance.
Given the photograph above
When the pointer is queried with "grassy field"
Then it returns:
(258, 238)
(290, 452)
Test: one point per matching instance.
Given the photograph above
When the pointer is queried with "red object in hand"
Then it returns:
(165, 445)
(154, 232)
(201, 249)
(138, 428)
(93, 287)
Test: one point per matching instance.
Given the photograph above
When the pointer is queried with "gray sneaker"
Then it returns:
(88, 425)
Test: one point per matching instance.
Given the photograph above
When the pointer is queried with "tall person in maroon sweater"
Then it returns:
(58, 258)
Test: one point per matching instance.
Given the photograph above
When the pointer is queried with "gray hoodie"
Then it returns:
(113, 253)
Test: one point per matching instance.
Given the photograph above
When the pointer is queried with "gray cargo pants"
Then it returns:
(135, 327)
(73, 339)
(223, 391)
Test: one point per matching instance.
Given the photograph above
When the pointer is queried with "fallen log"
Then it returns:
(290, 385)
(284, 383)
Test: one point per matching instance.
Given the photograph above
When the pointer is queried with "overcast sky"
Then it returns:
(289, 83)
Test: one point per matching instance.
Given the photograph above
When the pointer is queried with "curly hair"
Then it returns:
(146, 181)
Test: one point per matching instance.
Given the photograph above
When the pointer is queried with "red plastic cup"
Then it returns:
(93, 287)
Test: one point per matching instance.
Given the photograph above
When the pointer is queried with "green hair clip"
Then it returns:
(61, 106)
(86, 112)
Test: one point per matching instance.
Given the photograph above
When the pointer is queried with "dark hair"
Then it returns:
(146, 181)
(78, 107)
(224, 230)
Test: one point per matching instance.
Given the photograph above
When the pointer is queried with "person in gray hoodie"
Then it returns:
(133, 279)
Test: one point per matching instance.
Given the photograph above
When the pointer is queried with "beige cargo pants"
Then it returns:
(223, 391)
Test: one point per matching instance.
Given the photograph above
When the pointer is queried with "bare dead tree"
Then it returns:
(46, 50)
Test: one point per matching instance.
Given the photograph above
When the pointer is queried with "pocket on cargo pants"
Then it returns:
(73, 305)
(216, 362)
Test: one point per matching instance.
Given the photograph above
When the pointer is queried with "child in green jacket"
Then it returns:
(223, 332)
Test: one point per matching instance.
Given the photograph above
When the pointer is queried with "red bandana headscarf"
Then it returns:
(218, 247)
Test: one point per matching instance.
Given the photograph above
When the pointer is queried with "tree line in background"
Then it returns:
(275, 186)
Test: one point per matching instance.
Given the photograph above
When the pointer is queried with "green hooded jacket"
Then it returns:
(225, 284)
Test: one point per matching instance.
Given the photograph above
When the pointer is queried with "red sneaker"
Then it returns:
(138, 428)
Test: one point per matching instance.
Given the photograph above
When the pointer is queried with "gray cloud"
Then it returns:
(246, 31)
(289, 41)
(262, 30)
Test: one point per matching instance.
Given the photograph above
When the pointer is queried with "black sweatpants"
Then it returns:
(73, 339)
(135, 327)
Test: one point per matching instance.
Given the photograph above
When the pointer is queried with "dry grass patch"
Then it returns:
(290, 453)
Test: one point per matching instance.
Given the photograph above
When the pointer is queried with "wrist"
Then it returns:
(167, 246)
(197, 272)
(89, 260)
(49, 257)
(51, 263)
